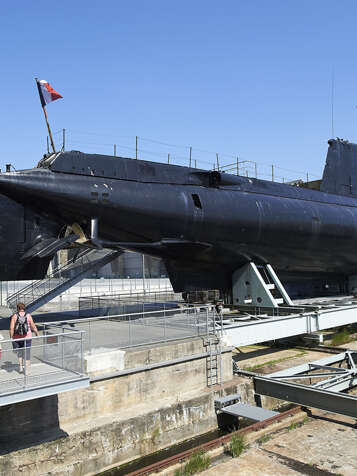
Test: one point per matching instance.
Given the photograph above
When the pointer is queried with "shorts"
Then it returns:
(22, 347)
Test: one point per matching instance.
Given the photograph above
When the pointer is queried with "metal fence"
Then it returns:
(52, 358)
(94, 306)
(140, 328)
(94, 286)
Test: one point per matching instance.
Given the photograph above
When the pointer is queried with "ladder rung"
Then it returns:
(279, 300)
(270, 286)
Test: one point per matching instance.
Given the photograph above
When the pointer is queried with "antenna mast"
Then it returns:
(332, 103)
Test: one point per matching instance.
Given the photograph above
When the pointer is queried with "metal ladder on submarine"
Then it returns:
(62, 278)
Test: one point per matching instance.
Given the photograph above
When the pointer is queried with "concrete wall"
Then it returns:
(90, 451)
(114, 420)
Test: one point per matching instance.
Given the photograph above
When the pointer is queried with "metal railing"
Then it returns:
(120, 303)
(265, 311)
(35, 288)
(51, 358)
(141, 328)
(94, 286)
(142, 148)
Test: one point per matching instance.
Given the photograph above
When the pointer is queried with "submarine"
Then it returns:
(204, 224)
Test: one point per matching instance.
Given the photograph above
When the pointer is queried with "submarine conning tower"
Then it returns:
(340, 173)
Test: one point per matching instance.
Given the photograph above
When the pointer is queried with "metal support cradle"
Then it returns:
(258, 286)
(328, 377)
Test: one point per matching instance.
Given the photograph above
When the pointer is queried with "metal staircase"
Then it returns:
(62, 278)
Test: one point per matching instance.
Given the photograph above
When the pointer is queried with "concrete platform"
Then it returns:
(115, 333)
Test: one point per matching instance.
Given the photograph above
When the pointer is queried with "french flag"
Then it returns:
(46, 92)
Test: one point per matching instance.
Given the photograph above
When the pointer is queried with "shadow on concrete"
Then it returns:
(9, 366)
(255, 353)
(335, 419)
(55, 316)
(29, 423)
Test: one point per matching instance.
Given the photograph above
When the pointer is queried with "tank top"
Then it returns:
(29, 333)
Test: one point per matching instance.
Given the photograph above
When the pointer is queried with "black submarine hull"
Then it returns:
(205, 225)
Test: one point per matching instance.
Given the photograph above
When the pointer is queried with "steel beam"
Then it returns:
(324, 394)
(328, 400)
(253, 332)
(303, 368)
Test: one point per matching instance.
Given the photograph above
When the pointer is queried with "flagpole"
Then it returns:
(49, 130)
(46, 119)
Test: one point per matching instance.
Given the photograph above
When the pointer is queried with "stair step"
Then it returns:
(270, 286)
(41, 292)
(279, 300)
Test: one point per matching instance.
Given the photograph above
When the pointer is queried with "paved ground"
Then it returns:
(324, 445)
(350, 345)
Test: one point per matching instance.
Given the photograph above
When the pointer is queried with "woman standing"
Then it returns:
(21, 325)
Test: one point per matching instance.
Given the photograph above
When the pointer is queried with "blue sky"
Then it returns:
(247, 79)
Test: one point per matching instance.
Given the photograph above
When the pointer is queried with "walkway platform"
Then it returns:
(42, 382)
(56, 366)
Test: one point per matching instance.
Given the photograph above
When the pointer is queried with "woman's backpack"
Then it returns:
(21, 325)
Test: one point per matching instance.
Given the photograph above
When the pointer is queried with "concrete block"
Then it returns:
(105, 362)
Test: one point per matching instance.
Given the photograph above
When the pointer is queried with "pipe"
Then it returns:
(94, 228)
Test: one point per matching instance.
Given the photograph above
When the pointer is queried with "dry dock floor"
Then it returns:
(326, 444)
